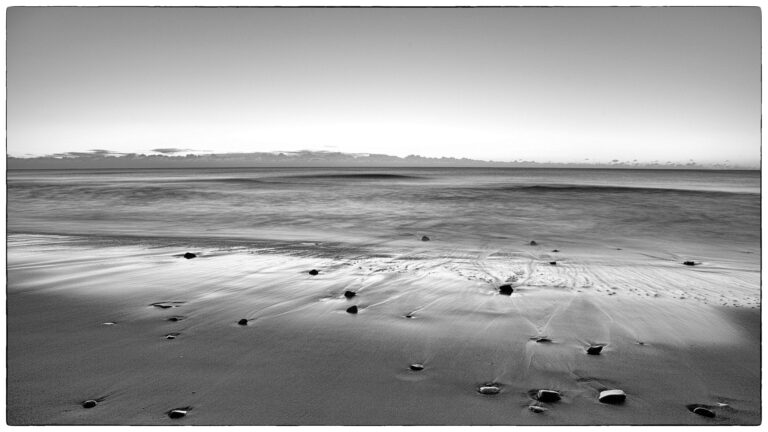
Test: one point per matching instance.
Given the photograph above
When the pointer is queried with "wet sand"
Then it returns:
(673, 335)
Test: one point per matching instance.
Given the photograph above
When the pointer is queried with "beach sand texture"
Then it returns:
(91, 322)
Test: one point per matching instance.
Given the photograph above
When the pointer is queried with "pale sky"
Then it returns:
(542, 84)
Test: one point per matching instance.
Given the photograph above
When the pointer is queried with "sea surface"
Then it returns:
(370, 207)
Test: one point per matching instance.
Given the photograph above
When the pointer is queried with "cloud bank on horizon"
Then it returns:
(540, 84)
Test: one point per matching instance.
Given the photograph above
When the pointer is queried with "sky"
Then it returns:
(540, 84)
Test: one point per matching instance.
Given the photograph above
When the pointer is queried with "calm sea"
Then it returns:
(454, 207)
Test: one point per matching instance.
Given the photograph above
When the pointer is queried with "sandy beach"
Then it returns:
(91, 322)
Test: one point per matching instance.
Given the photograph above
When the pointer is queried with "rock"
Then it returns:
(612, 396)
(489, 389)
(505, 289)
(349, 294)
(553, 263)
(175, 318)
(703, 412)
(689, 263)
(424, 238)
(90, 403)
(409, 316)
(537, 409)
(109, 323)
(548, 396)
(352, 309)
(178, 413)
(243, 322)
(542, 339)
(555, 250)
(594, 349)
(313, 272)
(417, 367)
(189, 255)
(533, 243)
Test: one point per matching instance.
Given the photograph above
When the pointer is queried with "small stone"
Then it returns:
(417, 367)
(349, 294)
(555, 250)
(352, 309)
(703, 412)
(313, 272)
(594, 350)
(109, 323)
(533, 243)
(424, 238)
(553, 263)
(243, 322)
(175, 318)
(177, 413)
(537, 409)
(542, 339)
(612, 396)
(189, 255)
(689, 263)
(90, 403)
(409, 316)
(505, 289)
(172, 335)
(548, 396)
(489, 389)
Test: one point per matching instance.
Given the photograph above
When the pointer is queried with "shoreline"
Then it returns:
(301, 359)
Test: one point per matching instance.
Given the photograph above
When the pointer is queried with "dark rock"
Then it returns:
(161, 305)
(533, 243)
(417, 367)
(505, 289)
(424, 238)
(555, 250)
(349, 294)
(548, 396)
(542, 339)
(612, 396)
(537, 409)
(178, 412)
(352, 309)
(689, 263)
(489, 389)
(409, 316)
(243, 322)
(553, 262)
(175, 318)
(189, 255)
(594, 349)
(90, 403)
(702, 411)
(172, 335)
(313, 272)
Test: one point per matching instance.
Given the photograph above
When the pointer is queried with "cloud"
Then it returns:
(171, 150)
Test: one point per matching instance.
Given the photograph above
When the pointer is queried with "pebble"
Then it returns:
(352, 309)
(689, 263)
(489, 389)
(703, 412)
(548, 396)
(533, 243)
(243, 322)
(424, 238)
(313, 272)
(417, 367)
(189, 255)
(555, 250)
(594, 350)
(553, 262)
(177, 413)
(537, 409)
(542, 339)
(109, 323)
(612, 396)
(90, 403)
(505, 290)
(349, 294)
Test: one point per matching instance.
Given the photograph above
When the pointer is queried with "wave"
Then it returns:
(615, 189)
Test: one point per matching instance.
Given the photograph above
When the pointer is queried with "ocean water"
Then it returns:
(385, 207)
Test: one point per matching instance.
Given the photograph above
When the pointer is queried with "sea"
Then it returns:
(377, 208)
